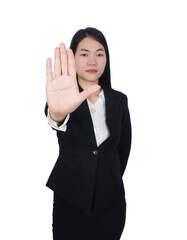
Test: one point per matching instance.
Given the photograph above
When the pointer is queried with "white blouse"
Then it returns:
(98, 115)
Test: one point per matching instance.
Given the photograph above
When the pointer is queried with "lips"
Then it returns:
(91, 71)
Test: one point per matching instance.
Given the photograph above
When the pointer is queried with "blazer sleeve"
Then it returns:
(54, 125)
(46, 112)
(46, 109)
(125, 139)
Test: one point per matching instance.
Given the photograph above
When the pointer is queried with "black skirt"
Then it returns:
(70, 223)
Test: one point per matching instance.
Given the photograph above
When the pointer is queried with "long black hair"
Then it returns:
(97, 35)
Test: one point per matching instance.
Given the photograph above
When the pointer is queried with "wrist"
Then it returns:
(57, 117)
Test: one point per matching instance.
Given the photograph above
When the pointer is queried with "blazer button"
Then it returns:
(95, 152)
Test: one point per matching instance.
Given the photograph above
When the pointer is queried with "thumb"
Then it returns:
(88, 92)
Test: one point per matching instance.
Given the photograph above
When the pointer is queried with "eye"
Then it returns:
(100, 55)
(84, 55)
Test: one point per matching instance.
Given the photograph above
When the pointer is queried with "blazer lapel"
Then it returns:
(111, 104)
(86, 122)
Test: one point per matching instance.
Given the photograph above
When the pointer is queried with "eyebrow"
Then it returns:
(86, 50)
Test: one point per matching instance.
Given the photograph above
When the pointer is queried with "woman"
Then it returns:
(94, 135)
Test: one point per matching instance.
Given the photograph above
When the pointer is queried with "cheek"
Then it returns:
(103, 64)
(79, 64)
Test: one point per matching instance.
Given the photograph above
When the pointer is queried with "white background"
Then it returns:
(148, 49)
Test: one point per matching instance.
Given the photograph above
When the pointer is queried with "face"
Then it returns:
(90, 60)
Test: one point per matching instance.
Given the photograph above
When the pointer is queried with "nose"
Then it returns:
(92, 60)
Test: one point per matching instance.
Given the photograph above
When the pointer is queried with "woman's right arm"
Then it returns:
(62, 92)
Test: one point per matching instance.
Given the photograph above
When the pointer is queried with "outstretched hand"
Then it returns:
(62, 90)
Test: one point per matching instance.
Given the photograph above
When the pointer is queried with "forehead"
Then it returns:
(90, 44)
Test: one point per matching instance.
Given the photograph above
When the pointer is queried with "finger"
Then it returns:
(49, 72)
(57, 63)
(89, 91)
(71, 63)
(63, 56)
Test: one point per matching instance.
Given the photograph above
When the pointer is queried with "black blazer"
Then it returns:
(84, 170)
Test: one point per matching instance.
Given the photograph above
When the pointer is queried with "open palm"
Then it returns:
(62, 91)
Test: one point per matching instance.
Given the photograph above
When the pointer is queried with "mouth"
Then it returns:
(91, 71)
